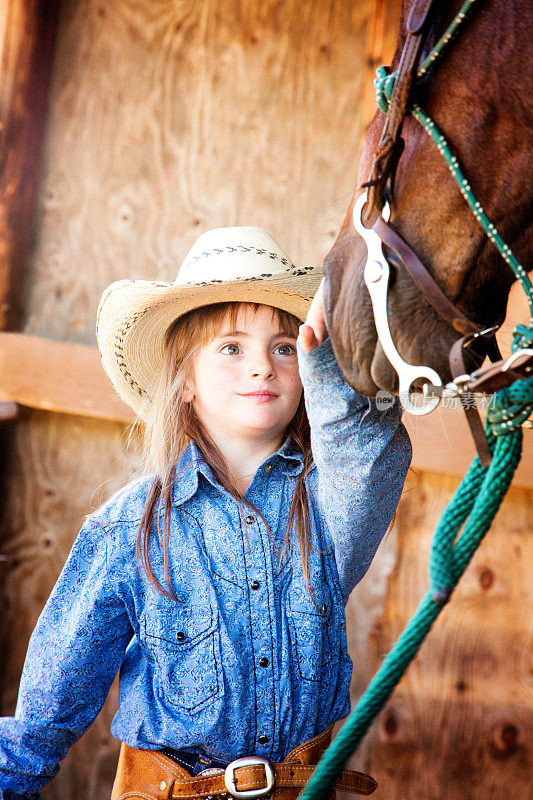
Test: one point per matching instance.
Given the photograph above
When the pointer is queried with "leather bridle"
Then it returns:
(369, 223)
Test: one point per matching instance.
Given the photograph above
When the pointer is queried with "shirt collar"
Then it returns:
(190, 464)
(291, 455)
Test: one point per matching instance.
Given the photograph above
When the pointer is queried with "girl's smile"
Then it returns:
(261, 396)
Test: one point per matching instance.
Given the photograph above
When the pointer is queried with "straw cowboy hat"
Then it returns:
(224, 264)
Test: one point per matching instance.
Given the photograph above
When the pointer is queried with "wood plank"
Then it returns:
(58, 376)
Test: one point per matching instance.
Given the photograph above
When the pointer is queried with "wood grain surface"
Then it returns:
(65, 377)
(59, 468)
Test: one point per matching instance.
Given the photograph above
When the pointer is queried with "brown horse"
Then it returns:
(480, 98)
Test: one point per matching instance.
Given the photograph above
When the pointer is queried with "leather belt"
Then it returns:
(152, 775)
(256, 780)
(430, 290)
(390, 144)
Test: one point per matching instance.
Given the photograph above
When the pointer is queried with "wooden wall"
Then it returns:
(166, 119)
(460, 722)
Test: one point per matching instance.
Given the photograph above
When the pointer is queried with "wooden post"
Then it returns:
(27, 34)
(383, 24)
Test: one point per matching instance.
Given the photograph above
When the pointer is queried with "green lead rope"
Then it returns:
(480, 493)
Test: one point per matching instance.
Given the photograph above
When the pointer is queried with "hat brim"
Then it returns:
(134, 316)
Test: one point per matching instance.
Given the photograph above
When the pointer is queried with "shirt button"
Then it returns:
(262, 739)
(268, 467)
(249, 520)
(255, 584)
(264, 662)
(180, 636)
(324, 610)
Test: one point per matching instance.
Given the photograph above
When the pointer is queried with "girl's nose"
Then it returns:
(263, 368)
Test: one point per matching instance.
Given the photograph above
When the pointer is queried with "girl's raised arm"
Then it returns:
(361, 451)
(73, 656)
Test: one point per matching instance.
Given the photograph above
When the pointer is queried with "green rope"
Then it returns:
(475, 206)
(480, 493)
(446, 39)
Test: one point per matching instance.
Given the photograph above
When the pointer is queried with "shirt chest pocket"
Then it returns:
(184, 645)
(314, 629)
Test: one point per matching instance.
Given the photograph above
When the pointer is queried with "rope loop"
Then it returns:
(510, 407)
(384, 83)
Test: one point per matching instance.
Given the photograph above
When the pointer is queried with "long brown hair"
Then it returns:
(172, 424)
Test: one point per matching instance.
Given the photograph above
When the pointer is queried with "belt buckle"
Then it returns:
(250, 794)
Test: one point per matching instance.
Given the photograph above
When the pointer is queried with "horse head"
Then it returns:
(480, 97)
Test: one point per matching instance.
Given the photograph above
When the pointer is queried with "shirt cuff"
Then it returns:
(319, 365)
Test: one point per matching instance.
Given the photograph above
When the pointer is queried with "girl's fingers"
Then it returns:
(307, 337)
(314, 331)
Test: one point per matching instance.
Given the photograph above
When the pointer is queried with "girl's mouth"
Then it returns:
(263, 397)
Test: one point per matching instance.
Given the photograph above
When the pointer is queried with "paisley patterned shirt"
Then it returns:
(247, 662)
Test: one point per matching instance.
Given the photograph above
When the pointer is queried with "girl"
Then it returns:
(217, 582)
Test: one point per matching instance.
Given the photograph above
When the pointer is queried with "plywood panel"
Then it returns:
(59, 468)
(171, 118)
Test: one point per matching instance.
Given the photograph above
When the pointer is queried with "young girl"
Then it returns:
(216, 583)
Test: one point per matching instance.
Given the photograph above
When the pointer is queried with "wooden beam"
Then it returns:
(69, 378)
(27, 34)
(57, 376)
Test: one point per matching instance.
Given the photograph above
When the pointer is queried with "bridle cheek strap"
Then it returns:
(428, 287)
(389, 149)
(453, 317)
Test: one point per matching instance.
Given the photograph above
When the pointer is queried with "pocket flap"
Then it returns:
(182, 628)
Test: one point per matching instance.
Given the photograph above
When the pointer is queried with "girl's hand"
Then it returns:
(313, 331)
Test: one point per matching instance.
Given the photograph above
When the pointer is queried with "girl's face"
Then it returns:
(245, 381)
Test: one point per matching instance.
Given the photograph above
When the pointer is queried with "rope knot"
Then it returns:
(522, 337)
(510, 407)
(384, 83)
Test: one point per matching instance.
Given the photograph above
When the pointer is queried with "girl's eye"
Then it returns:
(289, 349)
(233, 349)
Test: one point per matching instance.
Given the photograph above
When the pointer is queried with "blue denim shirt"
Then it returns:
(246, 663)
